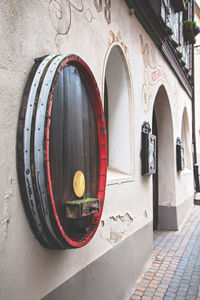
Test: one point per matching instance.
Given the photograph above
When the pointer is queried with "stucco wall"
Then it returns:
(197, 87)
(30, 30)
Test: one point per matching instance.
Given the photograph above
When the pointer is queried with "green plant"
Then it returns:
(195, 27)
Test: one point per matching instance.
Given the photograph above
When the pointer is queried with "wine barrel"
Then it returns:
(62, 152)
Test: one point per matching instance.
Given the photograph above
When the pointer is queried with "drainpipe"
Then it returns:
(195, 164)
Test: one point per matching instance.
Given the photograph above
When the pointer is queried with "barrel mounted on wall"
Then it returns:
(62, 152)
(179, 155)
(148, 152)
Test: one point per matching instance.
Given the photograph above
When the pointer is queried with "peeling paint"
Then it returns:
(5, 212)
(5, 217)
(114, 227)
(145, 213)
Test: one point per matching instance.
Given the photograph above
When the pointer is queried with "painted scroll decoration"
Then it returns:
(117, 38)
(153, 73)
(60, 13)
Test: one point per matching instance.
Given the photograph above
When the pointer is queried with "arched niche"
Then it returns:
(118, 114)
(186, 140)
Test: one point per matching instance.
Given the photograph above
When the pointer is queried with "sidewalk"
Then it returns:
(175, 271)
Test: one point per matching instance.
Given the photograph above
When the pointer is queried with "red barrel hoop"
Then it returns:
(62, 150)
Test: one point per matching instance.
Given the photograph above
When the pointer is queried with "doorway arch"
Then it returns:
(164, 181)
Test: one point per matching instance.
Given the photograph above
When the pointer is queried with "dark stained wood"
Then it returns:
(155, 178)
(86, 136)
(74, 97)
(56, 142)
(94, 151)
(73, 143)
(106, 113)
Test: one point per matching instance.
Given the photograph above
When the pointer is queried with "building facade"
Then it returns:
(196, 60)
(143, 68)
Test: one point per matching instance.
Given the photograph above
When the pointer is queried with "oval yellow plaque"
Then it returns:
(79, 184)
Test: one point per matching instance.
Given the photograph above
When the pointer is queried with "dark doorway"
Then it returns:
(155, 176)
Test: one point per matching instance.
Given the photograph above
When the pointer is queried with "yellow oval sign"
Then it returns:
(79, 184)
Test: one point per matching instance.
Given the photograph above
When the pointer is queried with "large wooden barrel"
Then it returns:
(62, 152)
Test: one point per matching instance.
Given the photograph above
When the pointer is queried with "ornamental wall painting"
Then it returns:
(154, 74)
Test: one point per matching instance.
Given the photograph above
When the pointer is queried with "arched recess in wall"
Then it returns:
(164, 181)
(118, 114)
(185, 139)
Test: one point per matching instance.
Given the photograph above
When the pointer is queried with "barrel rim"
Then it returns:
(93, 90)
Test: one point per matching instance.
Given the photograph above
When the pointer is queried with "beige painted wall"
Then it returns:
(197, 86)
(29, 30)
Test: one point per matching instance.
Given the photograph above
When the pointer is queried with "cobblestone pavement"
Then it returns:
(175, 271)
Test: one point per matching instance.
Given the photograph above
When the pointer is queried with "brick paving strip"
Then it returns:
(175, 271)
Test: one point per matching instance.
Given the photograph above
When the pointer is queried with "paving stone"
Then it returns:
(175, 272)
(138, 293)
(163, 286)
(185, 281)
(169, 272)
(166, 280)
(150, 289)
(155, 281)
(146, 298)
(159, 294)
(161, 271)
(152, 270)
(145, 280)
(149, 274)
(164, 268)
(184, 290)
(180, 273)
(192, 290)
(144, 284)
(162, 290)
(160, 257)
(191, 297)
(135, 297)
(182, 285)
(174, 285)
(147, 293)
(153, 285)
(140, 288)
(171, 290)
(157, 261)
(168, 275)
(169, 297)
(179, 298)
(159, 275)
(181, 293)
(157, 278)
(148, 277)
